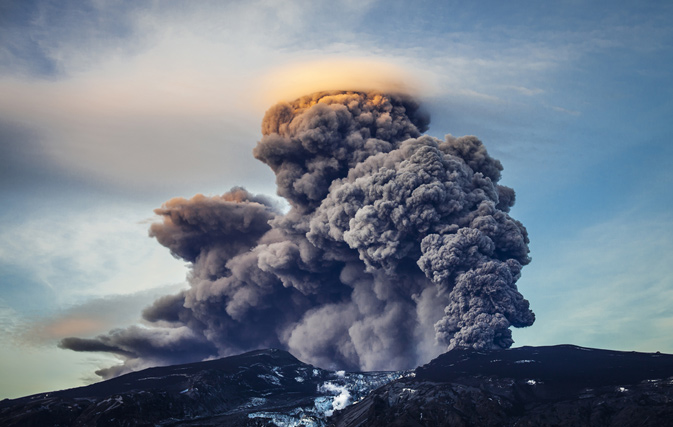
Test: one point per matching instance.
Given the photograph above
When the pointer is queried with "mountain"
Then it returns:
(258, 388)
(529, 386)
(526, 386)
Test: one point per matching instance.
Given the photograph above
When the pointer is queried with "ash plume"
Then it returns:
(397, 246)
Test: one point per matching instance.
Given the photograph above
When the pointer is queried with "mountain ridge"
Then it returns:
(244, 389)
(547, 385)
(563, 385)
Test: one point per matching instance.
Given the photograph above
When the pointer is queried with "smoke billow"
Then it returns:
(396, 247)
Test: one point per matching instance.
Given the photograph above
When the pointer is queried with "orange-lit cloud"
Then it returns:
(291, 81)
(93, 317)
(66, 327)
(48, 330)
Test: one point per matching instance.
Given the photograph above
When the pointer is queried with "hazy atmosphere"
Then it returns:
(169, 196)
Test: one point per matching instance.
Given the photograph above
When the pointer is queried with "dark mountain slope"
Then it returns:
(244, 390)
(528, 386)
(165, 393)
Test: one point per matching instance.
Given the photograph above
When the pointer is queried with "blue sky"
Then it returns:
(110, 109)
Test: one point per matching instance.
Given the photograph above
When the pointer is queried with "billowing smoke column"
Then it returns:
(397, 245)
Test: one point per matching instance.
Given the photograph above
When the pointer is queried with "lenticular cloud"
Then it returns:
(397, 247)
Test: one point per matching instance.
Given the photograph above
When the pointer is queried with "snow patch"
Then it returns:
(255, 401)
(270, 379)
(344, 389)
(118, 401)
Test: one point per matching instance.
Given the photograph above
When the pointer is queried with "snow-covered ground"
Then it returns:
(341, 390)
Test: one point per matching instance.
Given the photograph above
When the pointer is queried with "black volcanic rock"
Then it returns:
(528, 386)
(218, 392)
(163, 394)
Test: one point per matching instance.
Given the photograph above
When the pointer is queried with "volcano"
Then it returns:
(553, 386)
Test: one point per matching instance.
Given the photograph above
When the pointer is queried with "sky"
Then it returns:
(109, 109)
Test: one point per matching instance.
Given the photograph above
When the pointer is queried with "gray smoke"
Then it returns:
(396, 247)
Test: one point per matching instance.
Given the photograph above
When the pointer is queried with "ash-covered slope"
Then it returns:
(251, 389)
(529, 386)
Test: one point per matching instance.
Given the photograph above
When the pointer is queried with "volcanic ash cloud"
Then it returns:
(397, 247)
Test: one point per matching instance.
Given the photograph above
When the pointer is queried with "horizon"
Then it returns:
(440, 356)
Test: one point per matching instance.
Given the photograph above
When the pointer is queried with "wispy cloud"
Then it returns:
(84, 254)
(146, 97)
(566, 111)
(87, 319)
(526, 91)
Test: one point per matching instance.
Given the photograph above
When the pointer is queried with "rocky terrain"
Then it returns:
(259, 388)
(528, 386)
